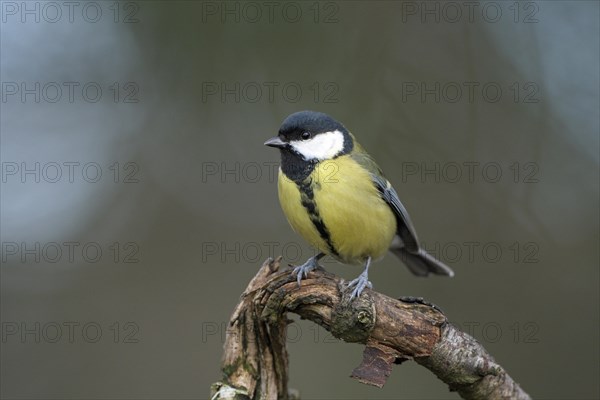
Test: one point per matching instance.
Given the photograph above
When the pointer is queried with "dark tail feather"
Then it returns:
(422, 263)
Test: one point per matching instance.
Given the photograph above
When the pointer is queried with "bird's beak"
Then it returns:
(276, 142)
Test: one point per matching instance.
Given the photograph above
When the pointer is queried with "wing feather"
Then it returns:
(405, 228)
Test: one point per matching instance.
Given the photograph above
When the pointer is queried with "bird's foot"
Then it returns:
(359, 285)
(311, 264)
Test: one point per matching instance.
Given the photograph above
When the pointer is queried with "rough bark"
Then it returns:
(255, 361)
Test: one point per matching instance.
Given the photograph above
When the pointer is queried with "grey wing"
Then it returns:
(405, 244)
(405, 229)
(416, 259)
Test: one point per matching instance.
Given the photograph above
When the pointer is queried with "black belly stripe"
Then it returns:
(307, 198)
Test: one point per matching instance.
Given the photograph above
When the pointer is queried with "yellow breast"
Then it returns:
(358, 222)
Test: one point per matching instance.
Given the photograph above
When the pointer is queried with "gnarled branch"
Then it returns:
(255, 361)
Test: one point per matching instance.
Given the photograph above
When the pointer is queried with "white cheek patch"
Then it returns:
(323, 146)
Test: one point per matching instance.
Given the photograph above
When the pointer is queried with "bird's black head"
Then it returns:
(313, 122)
(312, 137)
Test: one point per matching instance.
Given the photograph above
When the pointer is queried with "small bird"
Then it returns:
(336, 197)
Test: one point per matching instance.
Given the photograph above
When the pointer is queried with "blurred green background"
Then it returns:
(138, 199)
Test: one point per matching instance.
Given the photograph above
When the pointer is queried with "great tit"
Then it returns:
(336, 197)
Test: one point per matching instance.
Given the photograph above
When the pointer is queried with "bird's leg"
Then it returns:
(361, 282)
(309, 265)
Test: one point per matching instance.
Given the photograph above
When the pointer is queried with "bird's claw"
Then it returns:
(359, 285)
(304, 269)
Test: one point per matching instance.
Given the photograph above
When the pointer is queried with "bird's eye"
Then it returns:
(305, 136)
